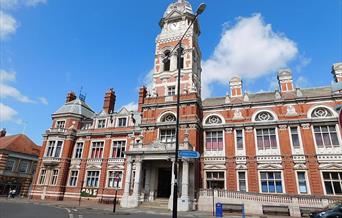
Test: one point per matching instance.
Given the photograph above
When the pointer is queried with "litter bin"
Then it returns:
(219, 212)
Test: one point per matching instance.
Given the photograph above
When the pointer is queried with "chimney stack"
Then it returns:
(142, 96)
(235, 87)
(70, 96)
(109, 101)
(337, 72)
(285, 80)
(2, 132)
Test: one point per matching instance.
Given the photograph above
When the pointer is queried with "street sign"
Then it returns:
(189, 154)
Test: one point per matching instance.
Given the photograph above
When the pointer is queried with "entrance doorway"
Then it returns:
(164, 183)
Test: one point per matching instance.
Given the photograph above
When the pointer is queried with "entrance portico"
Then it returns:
(149, 176)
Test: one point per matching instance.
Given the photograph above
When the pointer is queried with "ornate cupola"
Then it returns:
(176, 19)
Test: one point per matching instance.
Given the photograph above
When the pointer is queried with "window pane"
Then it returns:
(328, 187)
(334, 175)
(264, 186)
(302, 187)
(337, 188)
(271, 186)
(279, 187)
(263, 175)
(334, 139)
(326, 139)
(319, 140)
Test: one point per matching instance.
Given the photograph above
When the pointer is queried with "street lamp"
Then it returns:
(199, 11)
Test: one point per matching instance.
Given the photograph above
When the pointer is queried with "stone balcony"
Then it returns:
(116, 160)
(51, 161)
(157, 145)
(94, 161)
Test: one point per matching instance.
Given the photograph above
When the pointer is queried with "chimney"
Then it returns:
(235, 87)
(142, 96)
(337, 72)
(70, 96)
(285, 80)
(2, 132)
(109, 101)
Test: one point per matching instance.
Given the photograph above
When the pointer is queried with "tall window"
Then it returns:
(326, 136)
(333, 183)
(295, 137)
(171, 90)
(214, 141)
(23, 166)
(114, 179)
(97, 150)
(10, 164)
(215, 180)
(42, 176)
(60, 124)
(54, 177)
(92, 178)
(271, 182)
(167, 61)
(303, 189)
(122, 122)
(239, 139)
(73, 178)
(118, 149)
(78, 150)
(101, 124)
(242, 181)
(54, 149)
(266, 139)
(168, 135)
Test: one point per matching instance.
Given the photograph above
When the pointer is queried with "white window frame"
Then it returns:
(159, 135)
(40, 176)
(332, 146)
(62, 120)
(13, 166)
(86, 178)
(272, 151)
(265, 121)
(171, 91)
(120, 182)
(54, 148)
(91, 148)
(299, 137)
(213, 114)
(306, 180)
(112, 145)
(52, 181)
(75, 149)
(322, 179)
(70, 175)
(27, 167)
(219, 171)
(98, 122)
(238, 181)
(243, 139)
(223, 140)
(118, 119)
(274, 171)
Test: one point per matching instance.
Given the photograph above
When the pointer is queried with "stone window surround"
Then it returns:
(322, 179)
(55, 145)
(13, 165)
(98, 123)
(54, 177)
(256, 113)
(121, 117)
(243, 140)
(310, 111)
(223, 140)
(306, 180)
(112, 145)
(75, 148)
(299, 136)
(205, 177)
(70, 175)
(60, 120)
(120, 182)
(282, 181)
(213, 114)
(274, 151)
(325, 148)
(91, 147)
(246, 179)
(86, 177)
(40, 182)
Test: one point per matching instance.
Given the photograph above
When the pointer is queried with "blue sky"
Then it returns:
(50, 47)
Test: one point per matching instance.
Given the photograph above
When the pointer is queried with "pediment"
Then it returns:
(94, 167)
(241, 167)
(214, 167)
(270, 166)
(300, 167)
(123, 111)
(174, 13)
(333, 166)
(116, 167)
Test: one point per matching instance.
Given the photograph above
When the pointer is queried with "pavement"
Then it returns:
(27, 208)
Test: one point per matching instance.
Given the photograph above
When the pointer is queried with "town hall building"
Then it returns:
(277, 148)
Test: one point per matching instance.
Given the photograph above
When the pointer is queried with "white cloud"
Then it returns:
(8, 25)
(7, 4)
(250, 49)
(43, 100)
(10, 4)
(12, 92)
(132, 106)
(302, 82)
(6, 76)
(148, 80)
(303, 62)
(34, 2)
(7, 113)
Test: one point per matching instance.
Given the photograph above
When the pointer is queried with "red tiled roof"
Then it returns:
(19, 143)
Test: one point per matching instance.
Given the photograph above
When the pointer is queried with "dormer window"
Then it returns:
(101, 124)
(60, 124)
(122, 122)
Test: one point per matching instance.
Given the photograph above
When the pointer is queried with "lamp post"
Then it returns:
(199, 11)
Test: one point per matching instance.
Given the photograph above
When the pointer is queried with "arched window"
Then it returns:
(168, 118)
(264, 116)
(167, 61)
(213, 120)
(321, 112)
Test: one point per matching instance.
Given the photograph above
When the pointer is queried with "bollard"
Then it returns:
(219, 211)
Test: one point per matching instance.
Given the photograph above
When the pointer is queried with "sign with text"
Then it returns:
(189, 154)
(89, 192)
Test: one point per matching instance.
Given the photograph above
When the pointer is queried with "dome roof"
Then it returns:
(182, 6)
(77, 107)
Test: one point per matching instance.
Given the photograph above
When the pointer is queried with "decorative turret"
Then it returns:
(235, 87)
(285, 80)
(337, 71)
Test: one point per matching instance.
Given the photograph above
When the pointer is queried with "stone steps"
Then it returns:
(156, 204)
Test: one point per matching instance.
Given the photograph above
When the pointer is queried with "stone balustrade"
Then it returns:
(51, 160)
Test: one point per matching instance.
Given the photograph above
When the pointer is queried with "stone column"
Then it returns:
(147, 182)
(172, 184)
(124, 201)
(184, 204)
(136, 188)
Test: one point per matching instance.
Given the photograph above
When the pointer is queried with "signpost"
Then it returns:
(189, 154)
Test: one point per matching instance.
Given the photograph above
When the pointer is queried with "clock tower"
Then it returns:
(174, 23)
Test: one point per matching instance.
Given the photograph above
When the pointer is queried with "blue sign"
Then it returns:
(219, 211)
(189, 154)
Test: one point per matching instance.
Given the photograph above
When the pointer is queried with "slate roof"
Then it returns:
(270, 96)
(77, 107)
(19, 143)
